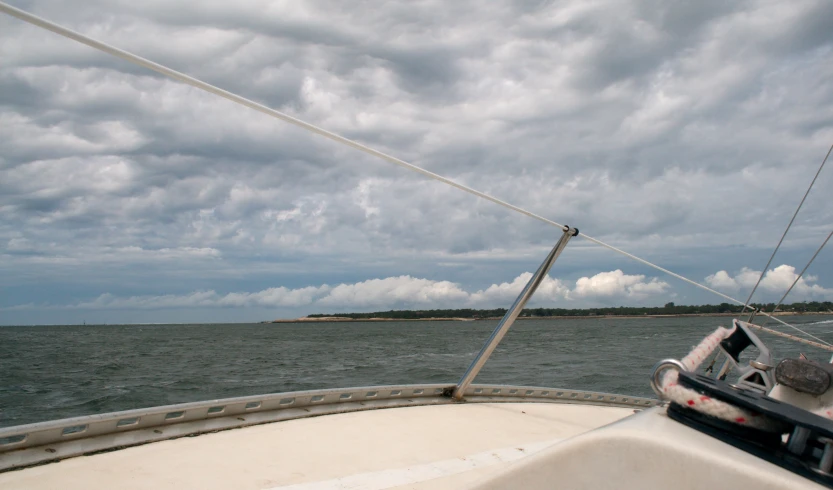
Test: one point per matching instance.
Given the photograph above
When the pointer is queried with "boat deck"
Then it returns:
(441, 446)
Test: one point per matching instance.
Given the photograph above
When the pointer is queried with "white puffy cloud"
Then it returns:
(612, 287)
(272, 297)
(618, 284)
(275, 297)
(549, 290)
(722, 281)
(774, 284)
(390, 292)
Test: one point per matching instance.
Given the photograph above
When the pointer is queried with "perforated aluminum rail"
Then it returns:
(27, 445)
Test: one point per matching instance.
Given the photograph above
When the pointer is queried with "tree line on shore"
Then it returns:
(668, 309)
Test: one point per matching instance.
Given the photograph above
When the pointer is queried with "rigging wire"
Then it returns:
(784, 235)
(138, 60)
(796, 282)
(132, 58)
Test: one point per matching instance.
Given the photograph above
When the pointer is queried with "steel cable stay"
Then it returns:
(796, 282)
(771, 257)
(194, 82)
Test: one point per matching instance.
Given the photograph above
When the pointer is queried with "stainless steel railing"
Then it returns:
(512, 314)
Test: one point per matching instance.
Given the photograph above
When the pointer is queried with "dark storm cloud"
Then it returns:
(662, 126)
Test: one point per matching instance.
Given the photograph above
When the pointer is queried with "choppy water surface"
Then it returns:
(55, 372)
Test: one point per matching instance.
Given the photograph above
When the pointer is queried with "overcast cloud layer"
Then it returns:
(685, 132)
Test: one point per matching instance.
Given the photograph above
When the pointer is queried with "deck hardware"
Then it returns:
(512, 314)
(658, 369)
(798, 440)
(15, 439)
(74, 430)
(826, 463)
(760, 365)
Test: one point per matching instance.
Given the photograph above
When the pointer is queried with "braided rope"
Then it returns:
(687, 397)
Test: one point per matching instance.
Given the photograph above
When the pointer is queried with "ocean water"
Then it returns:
(51, 372)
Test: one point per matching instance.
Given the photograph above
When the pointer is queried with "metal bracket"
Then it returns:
(512, 314)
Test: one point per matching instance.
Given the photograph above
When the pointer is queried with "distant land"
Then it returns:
(467, 314)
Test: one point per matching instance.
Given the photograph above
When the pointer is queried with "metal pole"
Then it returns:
(791, 337)
(512, 314)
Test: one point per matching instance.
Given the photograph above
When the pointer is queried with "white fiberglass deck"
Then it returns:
(411, 447)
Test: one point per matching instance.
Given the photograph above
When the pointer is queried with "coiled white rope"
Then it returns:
(672, 391)
(687, 397)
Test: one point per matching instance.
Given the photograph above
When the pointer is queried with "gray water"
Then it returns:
(51, 372)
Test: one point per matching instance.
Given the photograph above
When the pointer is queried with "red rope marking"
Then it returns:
(691, 402)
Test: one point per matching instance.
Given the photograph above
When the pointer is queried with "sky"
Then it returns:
(683, 132)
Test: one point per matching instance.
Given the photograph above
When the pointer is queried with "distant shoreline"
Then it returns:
(341, 319)
(344, 319)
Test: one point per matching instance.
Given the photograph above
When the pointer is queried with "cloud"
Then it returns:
(774, 284)
(637, 124)
(548, 291)
(403, 292)
(109, 301)
(617, 284)
(722, 281)
(272, 297)
(391, 292)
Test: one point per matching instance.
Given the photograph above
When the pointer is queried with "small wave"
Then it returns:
(424, 355)
(820, 322)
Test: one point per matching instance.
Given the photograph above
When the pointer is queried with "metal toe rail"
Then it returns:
(27, 445)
